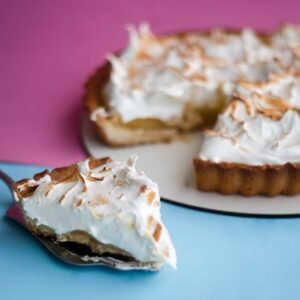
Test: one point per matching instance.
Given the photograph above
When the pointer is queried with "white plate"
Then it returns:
(170, 165)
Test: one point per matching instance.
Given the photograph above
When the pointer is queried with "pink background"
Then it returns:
(49, 48)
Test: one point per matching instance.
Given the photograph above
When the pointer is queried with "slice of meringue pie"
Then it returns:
(105, 205)
(254, 148)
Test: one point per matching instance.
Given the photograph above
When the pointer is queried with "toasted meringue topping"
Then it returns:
(261, 126)
(155, 77)
(109, 200)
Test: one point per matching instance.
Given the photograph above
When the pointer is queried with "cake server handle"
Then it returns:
(8, 181)
(14, 211)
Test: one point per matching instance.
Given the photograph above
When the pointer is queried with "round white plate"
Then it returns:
(170, 165)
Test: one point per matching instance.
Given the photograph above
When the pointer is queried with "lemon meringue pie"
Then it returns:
(106, 205)
(241, 88)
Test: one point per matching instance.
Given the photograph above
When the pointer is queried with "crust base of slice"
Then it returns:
(246, 180)
(96, 247)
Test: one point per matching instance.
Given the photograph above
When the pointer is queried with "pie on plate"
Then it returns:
(238, 87)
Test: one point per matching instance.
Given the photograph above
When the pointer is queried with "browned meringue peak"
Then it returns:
(272, 98)
(269, 106)
(193, 43)
(26, 187)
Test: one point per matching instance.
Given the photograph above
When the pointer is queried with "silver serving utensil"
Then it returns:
(74, 253)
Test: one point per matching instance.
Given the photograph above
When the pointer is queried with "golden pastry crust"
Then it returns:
(246, 180)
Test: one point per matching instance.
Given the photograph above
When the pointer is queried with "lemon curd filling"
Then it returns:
(193, 117)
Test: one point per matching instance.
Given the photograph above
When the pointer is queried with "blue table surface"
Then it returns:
(219, 257)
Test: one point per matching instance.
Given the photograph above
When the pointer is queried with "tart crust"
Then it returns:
(247, 180)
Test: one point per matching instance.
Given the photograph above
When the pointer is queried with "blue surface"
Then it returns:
(219, 257)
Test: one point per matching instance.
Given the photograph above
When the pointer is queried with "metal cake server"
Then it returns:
(74, 253)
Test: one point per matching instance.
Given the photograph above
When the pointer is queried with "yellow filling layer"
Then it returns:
(193, 117)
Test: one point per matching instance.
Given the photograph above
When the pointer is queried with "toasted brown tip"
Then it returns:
(64, 174)
(26, 192)
(40, 175)
(151, 197)
(157, 231)
(91, 178)
(143, 188)
(97, 162)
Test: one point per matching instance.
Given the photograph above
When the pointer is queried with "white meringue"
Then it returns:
(262, 127)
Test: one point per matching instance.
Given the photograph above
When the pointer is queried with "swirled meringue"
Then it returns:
(261, 126)
(156, 77)
(111, 201)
